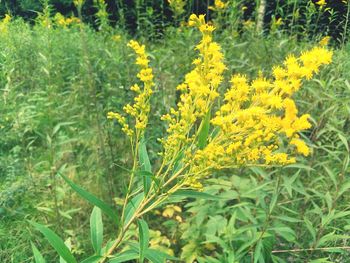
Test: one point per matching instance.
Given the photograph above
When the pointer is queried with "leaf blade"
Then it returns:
(56, 242)
(96, 229)
(91, 198)
(37, 255)
(144, 237)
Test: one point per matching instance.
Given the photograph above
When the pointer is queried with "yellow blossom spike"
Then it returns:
(140, 109)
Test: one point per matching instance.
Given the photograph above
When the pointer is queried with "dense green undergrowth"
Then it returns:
(57, 85)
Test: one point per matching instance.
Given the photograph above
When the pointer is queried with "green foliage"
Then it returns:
(56, 242)
(96, 229)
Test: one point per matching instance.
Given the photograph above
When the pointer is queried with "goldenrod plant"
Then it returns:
(102, 15)
(255, 123)
(177, 7)
(4, 24)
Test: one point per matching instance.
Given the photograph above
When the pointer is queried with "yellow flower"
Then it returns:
(199, 90)
(170, 210)
(301, 146)
(218, 5)
(4, 23)
(256, 115)
(254, 123)
(62, 21)
(324, 41)
(321, 3)
(141, 106)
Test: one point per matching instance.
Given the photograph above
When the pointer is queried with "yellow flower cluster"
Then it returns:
(321, 3)
(219, 5)
(199, 91)
(324, 41)
(256, 115)
(4, 23)
(141, 106)
(65, 21)
(177, 6)
(257, 123)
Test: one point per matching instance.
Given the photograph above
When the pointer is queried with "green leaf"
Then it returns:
(311, 228)
(204, 131)
(195, 194)
(37, 255)
(154, 256)
(257, 251)
(146, 176)
(125, 256)
(157, 256)
(92, 259)
(144, 237)
(145, 165)
(344, 141)
(132, 206)
(68, 244)
(56, 242)
(92, 199)
(178, 164)
(96, 229)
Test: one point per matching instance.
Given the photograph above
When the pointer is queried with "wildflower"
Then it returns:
(279, 21)
(170, 211)
(324, 41)
(199, 90)
(62, 21)
(276, 23)
(321, 3)
(218, 5)
(141, 107)
(177, 6)
(300, 145)
(255, 115)
(255, 122)
(4, 23)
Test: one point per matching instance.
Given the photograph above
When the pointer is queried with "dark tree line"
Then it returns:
(157, 13)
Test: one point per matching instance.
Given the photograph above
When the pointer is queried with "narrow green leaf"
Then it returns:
(144, 237)
(92, 199)
(125, 256)
(146, 176)
(204, 131)
(92, 259)
(178, 164)
(344, 141)
(68, 244)
(132, 206)
(96, 229)
(257, 251)
(194, 194)
(37, 255)
(56, 242)
(156, 256)
(145, 164)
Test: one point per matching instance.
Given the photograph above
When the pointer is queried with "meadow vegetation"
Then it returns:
(148, 133)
